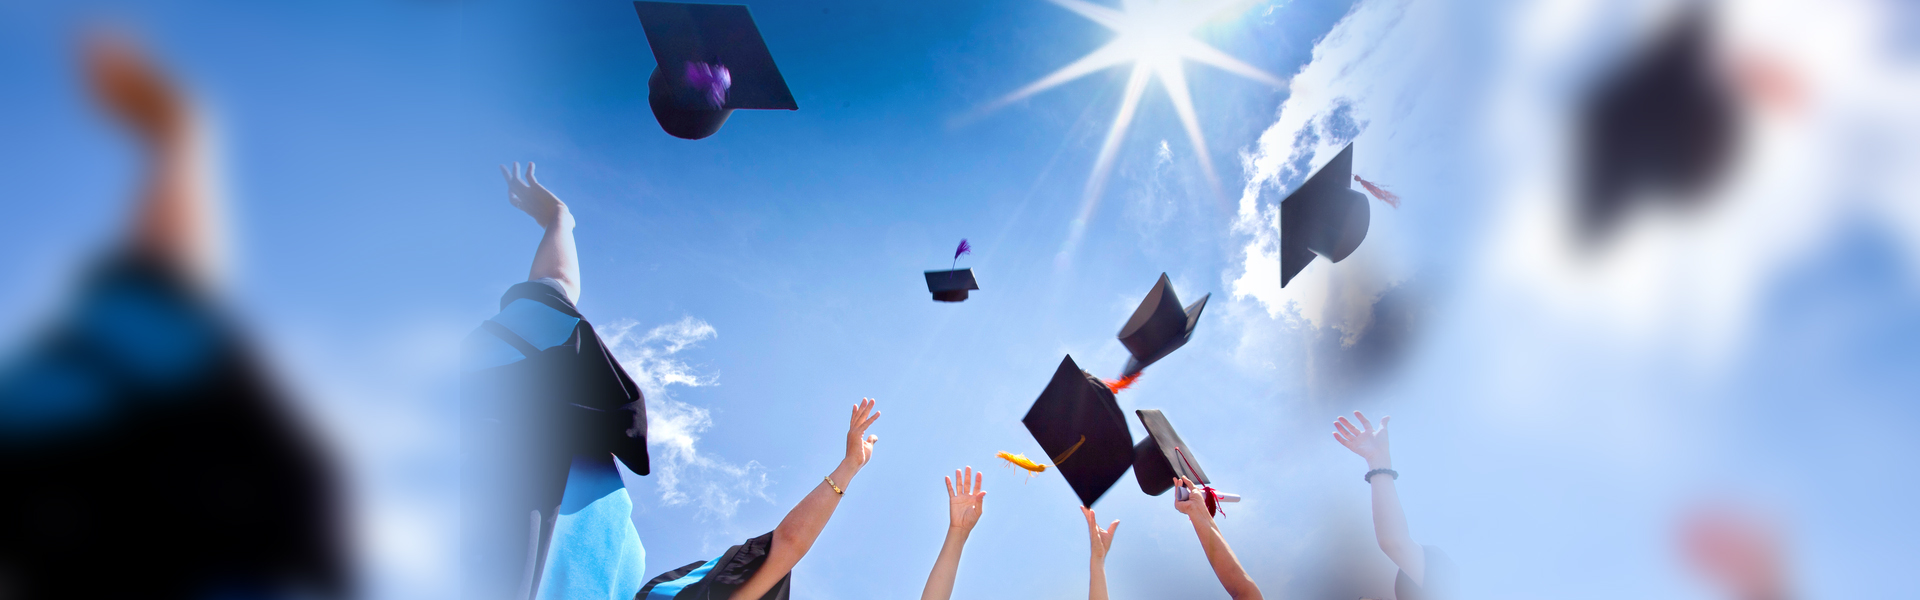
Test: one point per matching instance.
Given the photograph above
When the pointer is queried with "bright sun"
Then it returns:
(1156, 37)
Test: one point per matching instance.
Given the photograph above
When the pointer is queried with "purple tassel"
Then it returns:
(963, 249)
(711, 81)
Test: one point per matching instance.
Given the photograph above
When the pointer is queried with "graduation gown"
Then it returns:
(141, 441)
(718, 578)
(540, 392)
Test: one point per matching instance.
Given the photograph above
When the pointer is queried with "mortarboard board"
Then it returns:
(1323, 217)
(1660, 127)
(951, 286)
(1080, 426)
(711, 60)
(1159, 326)
(1163, 456)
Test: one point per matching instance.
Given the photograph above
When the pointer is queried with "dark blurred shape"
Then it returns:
(143, 447)
(951, 286)
(1740, 551)
(1323, 217)
(1659, 128)
(697, 48)
(1158, 327)
(1078, 423)
(720, 577)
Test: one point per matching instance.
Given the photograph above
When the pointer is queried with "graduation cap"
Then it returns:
(1164, 456)
(1082, 430)
(1159, 326)
(1661, 127)
(951, 286)
(1324, 217)
(711, 60)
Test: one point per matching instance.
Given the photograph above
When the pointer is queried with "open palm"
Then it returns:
(532, 198)
(1365, 440)
(964, 503)
(860, 445)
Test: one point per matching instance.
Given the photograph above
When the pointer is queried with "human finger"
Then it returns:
(979, 482)
(1363, 421)
(1349, 426)
(530, 179)
(949, 481)
(1112, 529)
(1383, 422)
(872, 438)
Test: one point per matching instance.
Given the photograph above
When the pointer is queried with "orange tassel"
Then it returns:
(1122, 383)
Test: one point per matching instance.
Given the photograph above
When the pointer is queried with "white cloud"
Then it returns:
(683, 473)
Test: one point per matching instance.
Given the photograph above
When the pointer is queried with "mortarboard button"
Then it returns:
(1159, 326)
(1323, 217)
(1081, 428)
(710, 60)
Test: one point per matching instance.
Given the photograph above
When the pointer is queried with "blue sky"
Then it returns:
(1551, 419)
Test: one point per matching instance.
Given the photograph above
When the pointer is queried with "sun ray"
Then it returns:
(1157, 38)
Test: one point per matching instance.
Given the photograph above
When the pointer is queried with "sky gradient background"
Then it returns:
(1553, 413)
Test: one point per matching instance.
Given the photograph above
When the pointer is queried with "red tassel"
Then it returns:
(1122, 383)
(1383, 195)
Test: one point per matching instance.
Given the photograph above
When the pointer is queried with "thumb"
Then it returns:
(873, 438)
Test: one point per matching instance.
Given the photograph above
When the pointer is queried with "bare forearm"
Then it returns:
(1390, 523)
(946, 568)
(1097, 586)
(1225, 565)
(557, 257)
(797, 532)
(175, 221)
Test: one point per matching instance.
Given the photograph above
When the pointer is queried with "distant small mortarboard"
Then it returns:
(1660, 127)
(711, 60)
(951, 286)
(1159, 326)
(1324, 217)
(1080, 426)
(1163, 456)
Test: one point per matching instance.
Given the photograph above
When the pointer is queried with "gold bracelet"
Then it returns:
(836, 489)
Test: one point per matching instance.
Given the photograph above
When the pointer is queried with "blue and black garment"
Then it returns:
(546, 409)
(140, 437)
(717, 579)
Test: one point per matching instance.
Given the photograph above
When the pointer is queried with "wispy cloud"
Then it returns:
(684, 473)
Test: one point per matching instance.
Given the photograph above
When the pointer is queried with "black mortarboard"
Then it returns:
(1660, 127)
(1163, 456)
(951, 286)
(710, 60)
(1159, 326)
(1082, 430)
(1323, 217)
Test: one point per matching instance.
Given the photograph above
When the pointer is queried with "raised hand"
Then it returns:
(1195, 506)
(859, 444)
(134, 89)
(1365, 440)
(965, 503)
(1101, 539)
(532, 198)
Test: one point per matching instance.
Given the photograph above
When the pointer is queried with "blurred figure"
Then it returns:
(964, 505)
(1101, 540)
(762, 567)
(546, 409)
(139, 436)
(1738, 551)
(1225, 566)
(1418, 564)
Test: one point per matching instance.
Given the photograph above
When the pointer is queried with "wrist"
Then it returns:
(1384, 462)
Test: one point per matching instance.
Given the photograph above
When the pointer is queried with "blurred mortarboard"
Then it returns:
(1323, 217)
(951, 286)
(1080, 426)
(711, 60)
(1159, 326)
(1660, 126)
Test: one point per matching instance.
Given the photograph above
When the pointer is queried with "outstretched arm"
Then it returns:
(1226, 566)
(802, 526)
(963, 511)
(556, 256)
(175, 221)
(1100, 540)
(1389, 523)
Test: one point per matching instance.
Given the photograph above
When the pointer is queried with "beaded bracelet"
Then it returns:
(1369, 476)
(836, 489)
